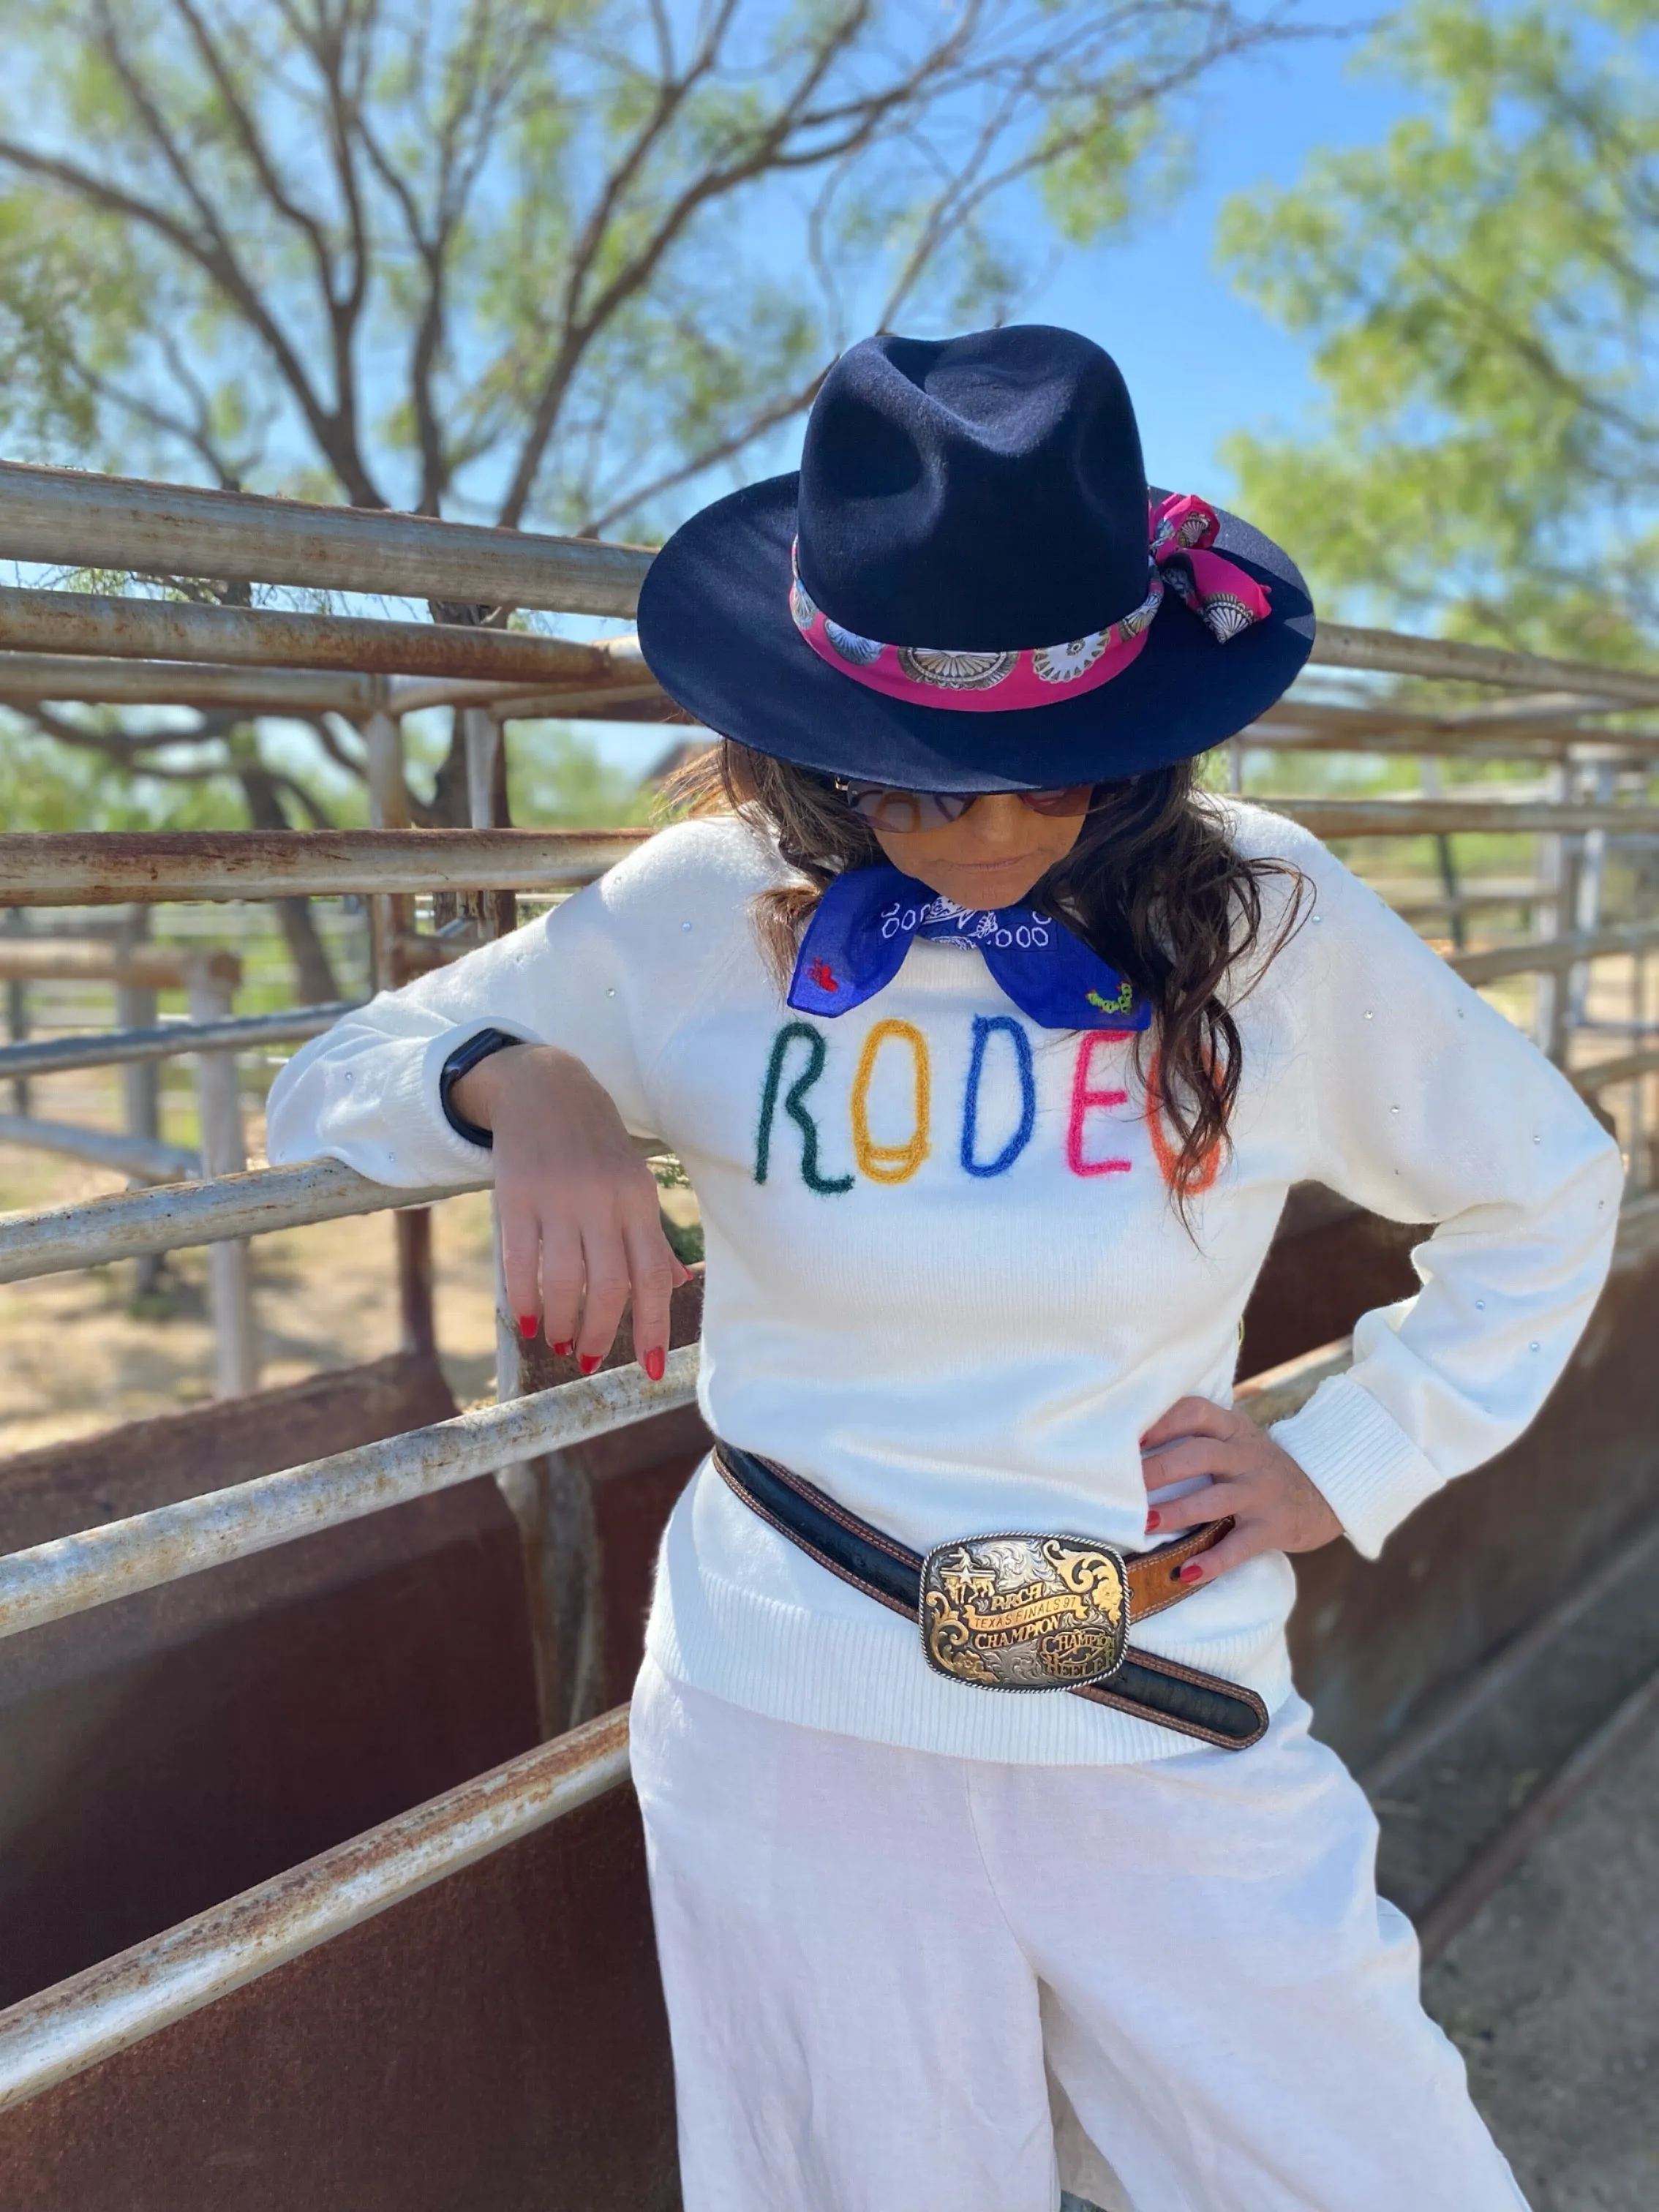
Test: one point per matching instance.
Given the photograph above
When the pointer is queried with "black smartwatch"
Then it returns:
(460, 1062)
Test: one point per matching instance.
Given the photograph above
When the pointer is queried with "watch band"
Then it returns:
(465, 1058)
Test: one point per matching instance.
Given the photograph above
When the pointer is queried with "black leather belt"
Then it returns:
(1018, 1611)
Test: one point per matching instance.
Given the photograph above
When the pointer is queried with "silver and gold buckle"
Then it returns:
(1025, 1612)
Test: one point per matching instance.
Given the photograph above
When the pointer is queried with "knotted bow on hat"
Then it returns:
(857, 940)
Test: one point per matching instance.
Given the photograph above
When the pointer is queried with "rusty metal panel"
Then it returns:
(105, 2009)
(1376, 1644)
(167, 1751)
(497, 2041)
(1329, 1263)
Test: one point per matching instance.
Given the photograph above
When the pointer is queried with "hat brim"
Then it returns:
(716, 631)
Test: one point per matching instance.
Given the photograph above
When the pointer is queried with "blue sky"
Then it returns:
(1199, 361)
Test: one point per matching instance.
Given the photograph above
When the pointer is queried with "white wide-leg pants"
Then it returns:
(877, 1959)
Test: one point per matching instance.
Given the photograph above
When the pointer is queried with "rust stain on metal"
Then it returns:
(50, 2038)
(185, 530)
(76, 868)
(1419, 818)
(69, 1574)
(84, 623)
(248, 1204)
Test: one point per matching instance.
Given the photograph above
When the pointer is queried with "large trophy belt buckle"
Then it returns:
(1025, 1612)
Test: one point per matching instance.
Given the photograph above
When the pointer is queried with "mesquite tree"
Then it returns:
(565, 263)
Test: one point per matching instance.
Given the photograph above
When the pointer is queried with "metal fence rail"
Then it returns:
(116, 868)
(64, 517)
(1389, 653)
(70, 868)
(263, 637)
(147, 1158)
(1549, 957)
(55, 1239)
(168, 1040)
(113, 1560)
(1458, 818)
(50, 2038)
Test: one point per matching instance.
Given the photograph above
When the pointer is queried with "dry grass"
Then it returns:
(79, 1353)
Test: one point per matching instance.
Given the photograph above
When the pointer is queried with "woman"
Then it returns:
(992, 1048)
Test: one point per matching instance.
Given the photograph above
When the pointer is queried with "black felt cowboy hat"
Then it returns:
(969, 585)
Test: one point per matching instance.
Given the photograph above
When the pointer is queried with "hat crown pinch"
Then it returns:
(974, 494)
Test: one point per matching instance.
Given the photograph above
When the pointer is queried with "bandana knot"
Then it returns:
(864, 922)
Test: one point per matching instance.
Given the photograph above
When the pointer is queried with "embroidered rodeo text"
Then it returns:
(986, 1026)
(892, 1163)
(795, 1107)
(1000, 1048)
(1084, 1100)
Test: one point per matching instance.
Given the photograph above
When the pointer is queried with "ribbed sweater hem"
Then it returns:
(1370, 1473)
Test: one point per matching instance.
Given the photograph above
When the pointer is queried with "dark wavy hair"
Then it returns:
(1154, 883)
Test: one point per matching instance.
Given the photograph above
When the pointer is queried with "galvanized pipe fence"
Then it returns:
(75, 647)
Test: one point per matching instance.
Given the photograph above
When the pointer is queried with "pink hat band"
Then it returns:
(1223, 597)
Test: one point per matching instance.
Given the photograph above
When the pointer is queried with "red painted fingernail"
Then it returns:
(564, 1351)
(1142, 1440)
(527, 1325)
(1154, 1521)
(654, 1362)
(1191, 1572)
(590, 1361)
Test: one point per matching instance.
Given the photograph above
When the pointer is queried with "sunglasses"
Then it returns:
(900, 812)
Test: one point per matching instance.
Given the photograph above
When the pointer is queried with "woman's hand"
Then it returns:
(579, 1221)
(1274, 1504)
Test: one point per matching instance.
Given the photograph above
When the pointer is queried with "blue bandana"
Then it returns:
(856, 942)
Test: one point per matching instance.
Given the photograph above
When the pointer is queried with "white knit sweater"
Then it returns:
(945, 1277)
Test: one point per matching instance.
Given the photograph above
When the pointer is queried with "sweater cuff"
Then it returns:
(418, 1089)
(1370, 1471)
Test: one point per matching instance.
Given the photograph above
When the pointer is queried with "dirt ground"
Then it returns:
(79, 1353)
(1552, 1993)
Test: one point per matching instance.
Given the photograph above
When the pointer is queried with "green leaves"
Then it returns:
(1481, 288)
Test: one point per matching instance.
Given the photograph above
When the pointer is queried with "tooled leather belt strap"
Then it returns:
(1019, 1612)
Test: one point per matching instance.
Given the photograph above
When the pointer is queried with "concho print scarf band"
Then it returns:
(1222, 595)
